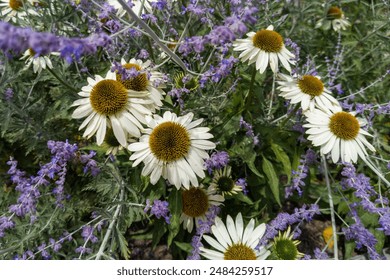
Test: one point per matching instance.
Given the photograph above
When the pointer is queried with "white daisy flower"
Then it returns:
(14, 9)
(308, 90)
(334, 18)
(233, 242)
(263, 47)
(139, 7)
(107, 103)
(223, 182)
(173, 148)
(145, 82)
(196, 203)
(338, 133)
(38, 62)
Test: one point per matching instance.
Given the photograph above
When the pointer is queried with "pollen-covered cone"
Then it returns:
(233, 242)
(338, 133)
(147, 84)
(196, 202)
(264, 47)
(106, 103)
(173, 148)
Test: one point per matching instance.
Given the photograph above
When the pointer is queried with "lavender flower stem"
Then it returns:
(153, 35)
(332, 215)
(100, 253)
(376, 171)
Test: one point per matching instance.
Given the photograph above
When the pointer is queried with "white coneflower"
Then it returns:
(107, 103)
(144, 82)
(38, 62)
(284, 247)
(14, 9)
(233, 242)
(334, 18)
(223, 182)
(196, 202)
(338, 133)
(308, 90)
(173, 148)
(264, 47)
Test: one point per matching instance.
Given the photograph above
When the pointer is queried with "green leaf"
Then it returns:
(380, 237)
(186, 247)
(123, 246)
(283, 158)
(159, 230)
(251, 164)
(349, 249)
(175, 207)
(272, 179)
(243, 198)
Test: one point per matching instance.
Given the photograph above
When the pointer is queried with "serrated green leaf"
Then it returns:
(122, 243)
(273, 180)
(175, 208)
(283, 158)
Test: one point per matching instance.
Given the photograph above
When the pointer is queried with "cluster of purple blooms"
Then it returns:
(217, 73)
(283, 220)
(298, 176)
(45, 43)
(31, 188)
(203, 228)
(368, 200)
(217, 160)
(249, 131)
(243, 184)
(159, 209)
(43, 248)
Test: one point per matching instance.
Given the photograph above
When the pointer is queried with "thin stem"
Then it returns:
(153, 35)
(100, 253)
(331, 206)
(250, 92)
(376, 171)
(272, 97)
(292, 113)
